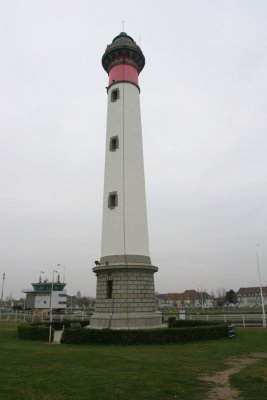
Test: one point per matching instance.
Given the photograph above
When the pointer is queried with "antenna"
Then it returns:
(122, 26)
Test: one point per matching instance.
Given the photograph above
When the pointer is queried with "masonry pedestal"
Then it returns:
(125, 295)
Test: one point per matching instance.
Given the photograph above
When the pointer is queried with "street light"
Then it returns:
(201, 295)
(2, 292)
(51, 295)
(262, 300)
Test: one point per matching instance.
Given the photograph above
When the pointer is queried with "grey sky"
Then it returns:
(203, 99)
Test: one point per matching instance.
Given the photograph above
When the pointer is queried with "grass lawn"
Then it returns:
(39, 371)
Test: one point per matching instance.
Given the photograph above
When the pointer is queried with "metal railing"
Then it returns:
(244, 320)
(235, 319)
(30, 316)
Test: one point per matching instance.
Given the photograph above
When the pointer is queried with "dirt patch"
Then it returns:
(222, 389)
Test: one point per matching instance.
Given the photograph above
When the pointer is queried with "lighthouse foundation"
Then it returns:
(125, 296)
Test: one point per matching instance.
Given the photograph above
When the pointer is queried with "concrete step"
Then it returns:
(57, 337)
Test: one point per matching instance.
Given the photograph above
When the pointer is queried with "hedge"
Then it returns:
(181, 323)
(149, 336)
(35, 332)
(58, 325)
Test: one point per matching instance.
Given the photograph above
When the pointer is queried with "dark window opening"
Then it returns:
(109, 289)
(113, 200)
(115, 95)
(114, 143)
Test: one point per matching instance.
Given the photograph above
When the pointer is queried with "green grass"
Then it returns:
(39, 371)
(252, 381)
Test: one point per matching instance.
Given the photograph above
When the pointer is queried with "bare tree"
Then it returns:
(220, 292)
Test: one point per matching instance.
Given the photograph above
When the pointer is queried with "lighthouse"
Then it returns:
(125, 295)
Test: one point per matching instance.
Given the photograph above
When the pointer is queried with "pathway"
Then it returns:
(222, 389)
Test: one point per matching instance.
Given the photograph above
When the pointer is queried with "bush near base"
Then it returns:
(58, 325)
(35, 332)
(181, 323)
(149, 336)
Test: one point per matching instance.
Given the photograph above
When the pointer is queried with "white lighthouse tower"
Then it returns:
(125, 277)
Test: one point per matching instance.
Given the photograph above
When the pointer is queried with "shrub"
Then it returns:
(34, 332)
(148, 336)
(179, 323)
(58, 325)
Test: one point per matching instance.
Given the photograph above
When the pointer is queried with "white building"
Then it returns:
(251, 296)
(43, 292)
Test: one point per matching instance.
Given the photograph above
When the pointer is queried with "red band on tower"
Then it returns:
(123, 72)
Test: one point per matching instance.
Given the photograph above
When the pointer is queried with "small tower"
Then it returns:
(46, 296)
(125, 295)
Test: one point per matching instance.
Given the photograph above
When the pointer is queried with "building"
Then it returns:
(251, 296)
(125, 295)
(39, 298)
(189, 298)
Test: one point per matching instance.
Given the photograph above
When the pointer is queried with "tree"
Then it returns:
(231, 297)
(220, 292)
(220, 301)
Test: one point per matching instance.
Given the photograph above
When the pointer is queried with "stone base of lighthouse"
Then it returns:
(125, 296)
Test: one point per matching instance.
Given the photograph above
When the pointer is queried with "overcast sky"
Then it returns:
(203, 102)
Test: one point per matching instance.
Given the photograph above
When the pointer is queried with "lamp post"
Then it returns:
(2, 292)
(51, 295)
(201, 295)
(262, 300)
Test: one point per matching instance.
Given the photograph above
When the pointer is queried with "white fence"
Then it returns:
(29, 316)
(244, 320)
(235, 319)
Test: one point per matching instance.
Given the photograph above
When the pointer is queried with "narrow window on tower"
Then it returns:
(112, 200)
(115, 95)
(114, 143)
(109, 289)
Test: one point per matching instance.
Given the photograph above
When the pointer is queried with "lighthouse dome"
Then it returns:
(123, 36)
(123, 50)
